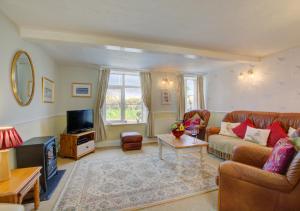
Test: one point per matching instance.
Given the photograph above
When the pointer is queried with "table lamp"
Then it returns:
(9, 138)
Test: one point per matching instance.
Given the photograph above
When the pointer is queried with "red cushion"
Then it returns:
(196, 121)
(187, 123)
(190, 123)
(276, 133)
(240, 130)
(281, 157)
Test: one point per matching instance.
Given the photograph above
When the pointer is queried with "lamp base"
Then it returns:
(4, 165)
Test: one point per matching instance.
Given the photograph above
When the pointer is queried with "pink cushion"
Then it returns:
(277, 132)
(187, 123)
(281, 156)
(190, 123)
(240, 130)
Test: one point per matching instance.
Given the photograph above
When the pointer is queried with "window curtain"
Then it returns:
(180, 96)
(146, 85)
(102, 86)
(200, 92)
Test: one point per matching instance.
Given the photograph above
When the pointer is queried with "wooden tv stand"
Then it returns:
(69, 144)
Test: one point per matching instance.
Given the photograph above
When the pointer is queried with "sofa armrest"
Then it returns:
(212, 131)
(254, 176)
(251, 155)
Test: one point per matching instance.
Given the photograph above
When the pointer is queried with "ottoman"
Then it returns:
(131, 141)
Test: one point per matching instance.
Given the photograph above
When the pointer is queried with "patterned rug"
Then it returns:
(134, 181)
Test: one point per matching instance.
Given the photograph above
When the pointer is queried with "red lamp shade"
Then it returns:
(9, 138)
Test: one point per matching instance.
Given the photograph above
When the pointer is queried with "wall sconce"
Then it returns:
(251, 73)
(167, 82)
(248, 74)
(241, 76)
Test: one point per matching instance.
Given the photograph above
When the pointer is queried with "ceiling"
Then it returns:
(70, 53)
(251, 28)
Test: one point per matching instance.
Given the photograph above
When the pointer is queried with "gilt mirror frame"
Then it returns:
(13, 78)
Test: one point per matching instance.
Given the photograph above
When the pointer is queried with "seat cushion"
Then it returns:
(226, 143)
(131, 137)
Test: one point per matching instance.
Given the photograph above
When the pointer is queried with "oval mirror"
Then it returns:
(22, 78)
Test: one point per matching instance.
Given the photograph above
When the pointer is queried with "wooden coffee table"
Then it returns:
(185, 144)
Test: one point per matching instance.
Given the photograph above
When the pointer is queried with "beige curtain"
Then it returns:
(101, 95)
(200, 92)
(146, 84)
(180, 96)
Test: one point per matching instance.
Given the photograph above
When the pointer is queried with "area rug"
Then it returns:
(134, 181)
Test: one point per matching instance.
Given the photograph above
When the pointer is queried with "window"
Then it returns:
(124, 102)
(190, 84)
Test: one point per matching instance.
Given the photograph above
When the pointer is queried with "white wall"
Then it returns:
(35, 119)
(74, 74)
(10, 111)
(275, 86)
(164, 115)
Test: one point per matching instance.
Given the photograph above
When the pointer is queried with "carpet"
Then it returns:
(134, 181)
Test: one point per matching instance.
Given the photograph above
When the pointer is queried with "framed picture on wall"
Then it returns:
(165, 97)
(81, 89)
(48, 87)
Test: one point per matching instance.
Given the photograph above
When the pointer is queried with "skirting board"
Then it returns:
(117, 143)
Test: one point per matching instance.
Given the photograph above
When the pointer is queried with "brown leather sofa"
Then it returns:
(243, 185)
(260, 120)
(204, 115)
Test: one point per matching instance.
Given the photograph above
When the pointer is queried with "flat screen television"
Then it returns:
(80, 120)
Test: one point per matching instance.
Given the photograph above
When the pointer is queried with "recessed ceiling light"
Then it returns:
(113, 47)
(190, 56)
(133, 50)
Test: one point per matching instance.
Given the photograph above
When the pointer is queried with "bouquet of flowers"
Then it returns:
(177, 129)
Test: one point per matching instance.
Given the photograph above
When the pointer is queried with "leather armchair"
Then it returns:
(204, 115)
(243, 185)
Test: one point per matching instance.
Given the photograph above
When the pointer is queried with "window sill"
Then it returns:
(123, 123)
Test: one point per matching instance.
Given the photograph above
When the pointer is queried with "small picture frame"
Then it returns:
(48, 89)
(165, 97)
(81, 90)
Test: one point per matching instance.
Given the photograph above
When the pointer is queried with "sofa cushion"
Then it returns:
(226, 143)
(277, 132)
(294, 133)
(226, 128)
(240, 130)
(192, 122)
(258, 136)
(282, 154)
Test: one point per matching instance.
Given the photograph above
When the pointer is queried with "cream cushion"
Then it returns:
(226, 129)
(291, 132)
(258, 136)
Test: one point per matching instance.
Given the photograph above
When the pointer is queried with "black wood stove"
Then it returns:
(39, 151)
